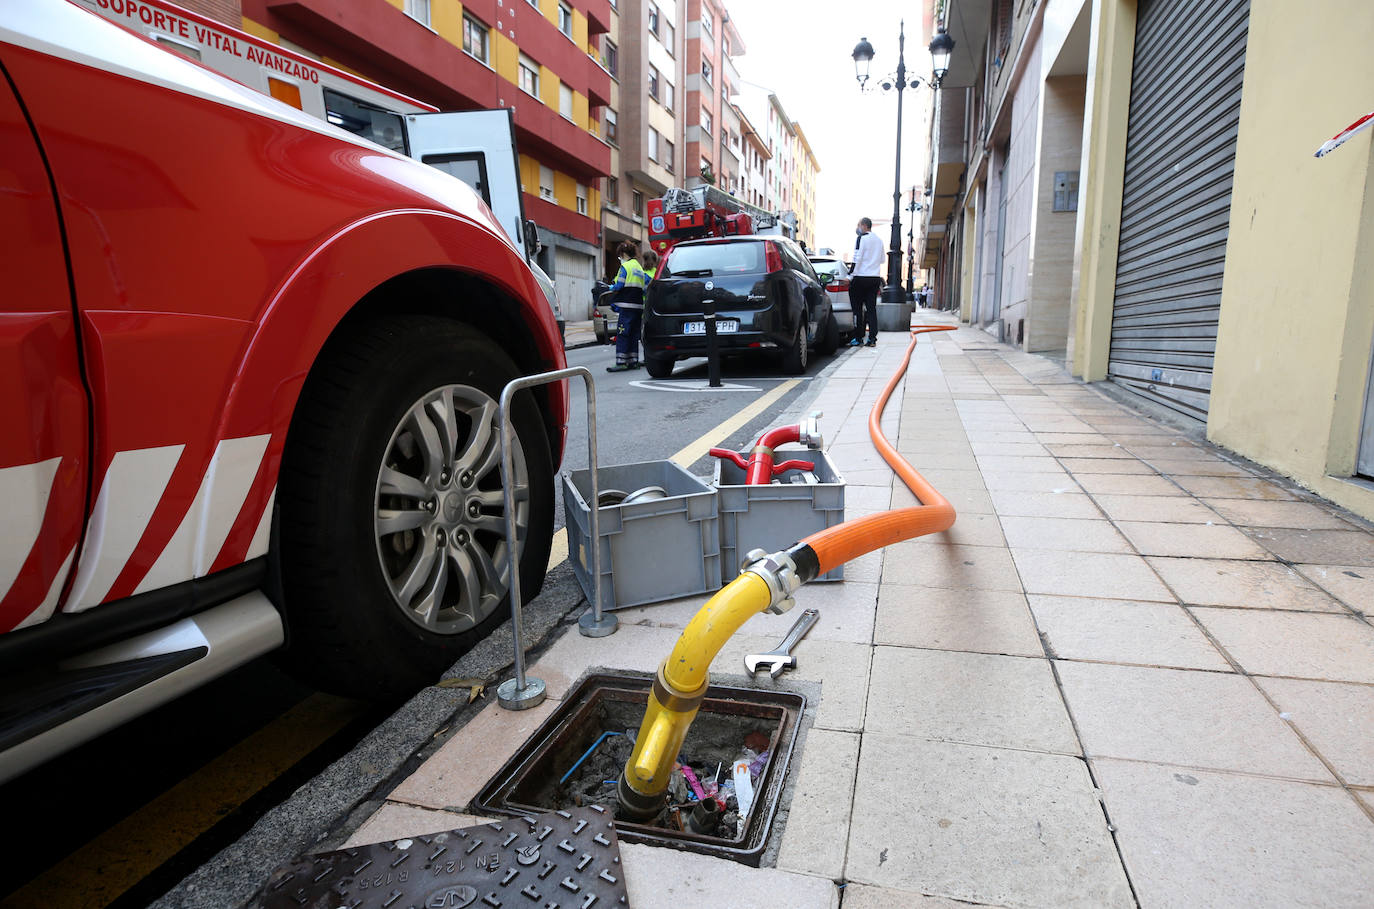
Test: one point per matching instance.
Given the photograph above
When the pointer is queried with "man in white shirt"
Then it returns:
(865, 283)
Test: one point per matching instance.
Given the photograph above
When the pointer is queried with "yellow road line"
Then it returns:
(97, 873)
(699, 447)
(694, 450)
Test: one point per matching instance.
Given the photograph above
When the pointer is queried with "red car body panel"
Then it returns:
(42, 401)
(212, 247)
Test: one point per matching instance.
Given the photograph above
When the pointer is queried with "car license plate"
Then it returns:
(723, 327)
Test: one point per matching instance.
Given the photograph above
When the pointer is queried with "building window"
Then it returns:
(638, 204)
(612, 191)
(668, 155)
(565, 101)
(476, 39)
(534, 3)
(668, 95)
(705, 70)
(418, 10)
(529, 76)
(708, 22)
(581, 199)
(725, 45)
(653, 144)
(669, 37)
(565, 19)
(653, 82)
(706, 122)
(610, 56)
(653, 19)
(612, 130)
(546, 183)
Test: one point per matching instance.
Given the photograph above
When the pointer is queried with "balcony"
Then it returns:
(598, 15)
(598, 84)
(542, 132)
(395, 51)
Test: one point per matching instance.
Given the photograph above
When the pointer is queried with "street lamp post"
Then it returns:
(863, 55)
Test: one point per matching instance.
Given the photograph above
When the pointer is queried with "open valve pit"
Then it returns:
(575, 757)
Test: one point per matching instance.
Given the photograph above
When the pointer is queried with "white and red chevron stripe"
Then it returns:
(134, 486)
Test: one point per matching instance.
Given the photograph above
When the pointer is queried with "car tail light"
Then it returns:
(772, 258)
(838, 284)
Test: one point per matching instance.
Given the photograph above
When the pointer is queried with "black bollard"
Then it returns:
(712, 353)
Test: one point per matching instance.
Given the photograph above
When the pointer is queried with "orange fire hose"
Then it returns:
(836, 545)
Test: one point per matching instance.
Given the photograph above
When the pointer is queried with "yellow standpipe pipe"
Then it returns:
(679, 689)
(767, 583)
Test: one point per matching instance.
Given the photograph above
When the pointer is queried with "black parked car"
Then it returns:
(766, 296)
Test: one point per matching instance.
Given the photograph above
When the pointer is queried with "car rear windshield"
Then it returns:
(829, 267)
(709, 259)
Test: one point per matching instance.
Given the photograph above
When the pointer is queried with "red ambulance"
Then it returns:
(249, 373)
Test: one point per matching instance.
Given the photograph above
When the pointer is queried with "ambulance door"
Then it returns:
(43, 405)
(477, 147)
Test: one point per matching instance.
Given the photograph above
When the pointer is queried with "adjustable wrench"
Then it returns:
(781, 657)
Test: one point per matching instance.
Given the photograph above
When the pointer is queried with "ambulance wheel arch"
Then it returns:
(354, 637)
(364, 271)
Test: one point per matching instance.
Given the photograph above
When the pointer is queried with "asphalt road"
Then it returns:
(197, 801)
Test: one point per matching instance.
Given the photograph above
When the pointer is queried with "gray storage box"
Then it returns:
(652, 550)
(775, 516)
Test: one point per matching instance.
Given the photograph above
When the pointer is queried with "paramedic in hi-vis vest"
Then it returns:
(627, 297)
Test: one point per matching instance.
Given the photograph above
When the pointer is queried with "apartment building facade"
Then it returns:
(805, 171)
(1118, 192)
(711, 82)
(646, 131)
(753, 156)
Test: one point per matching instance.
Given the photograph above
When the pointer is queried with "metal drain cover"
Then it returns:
(560, 860)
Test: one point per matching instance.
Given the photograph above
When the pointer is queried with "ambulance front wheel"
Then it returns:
(394, 553)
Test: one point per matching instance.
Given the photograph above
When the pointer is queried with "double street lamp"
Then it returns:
(940, 47)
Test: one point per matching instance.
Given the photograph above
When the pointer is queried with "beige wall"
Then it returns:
(1293, 343)
(1021, 190)
(1061, 146)
(1102, 171)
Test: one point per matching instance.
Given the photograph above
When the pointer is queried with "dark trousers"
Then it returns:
(627, 335)
(863, 300)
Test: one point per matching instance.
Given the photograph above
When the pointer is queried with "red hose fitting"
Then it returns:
(760, 469)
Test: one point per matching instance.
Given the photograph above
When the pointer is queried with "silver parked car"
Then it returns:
(835, 274)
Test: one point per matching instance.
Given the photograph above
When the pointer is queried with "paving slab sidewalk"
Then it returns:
(1137, 671)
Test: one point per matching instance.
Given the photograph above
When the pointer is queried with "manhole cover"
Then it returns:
(560, 860)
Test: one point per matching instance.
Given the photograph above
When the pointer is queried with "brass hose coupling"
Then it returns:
(779, 572)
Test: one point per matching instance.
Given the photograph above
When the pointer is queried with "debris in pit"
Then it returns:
(704, 772)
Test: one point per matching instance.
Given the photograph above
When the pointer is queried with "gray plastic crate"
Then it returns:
(775, 516)
(653, 550)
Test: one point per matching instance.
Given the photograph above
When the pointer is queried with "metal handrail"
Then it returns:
(521, 693)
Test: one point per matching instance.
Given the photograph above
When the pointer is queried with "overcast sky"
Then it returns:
(800, 50)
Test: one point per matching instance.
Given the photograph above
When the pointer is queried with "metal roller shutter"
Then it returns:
(1176, 198)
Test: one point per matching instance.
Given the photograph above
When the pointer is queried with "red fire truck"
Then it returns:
(688, 214)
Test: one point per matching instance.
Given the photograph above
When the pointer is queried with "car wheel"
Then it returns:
(659, 367)
(830, 336)
(393, 547)
(794, 360)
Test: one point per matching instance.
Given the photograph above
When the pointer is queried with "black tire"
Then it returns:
(659, 367)
(830, 336)
(795, 358)
(358, 459)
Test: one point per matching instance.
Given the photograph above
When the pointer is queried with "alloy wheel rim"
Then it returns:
(439, 511)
